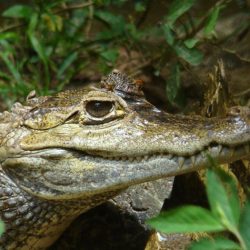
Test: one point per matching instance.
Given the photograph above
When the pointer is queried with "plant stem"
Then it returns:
(74, 7)
(239, 238)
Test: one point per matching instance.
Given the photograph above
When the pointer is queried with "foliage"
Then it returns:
(46, 44)
(1, 228)
(224, 214)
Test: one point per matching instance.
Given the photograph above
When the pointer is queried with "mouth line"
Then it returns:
(220, 152)
(223, 153)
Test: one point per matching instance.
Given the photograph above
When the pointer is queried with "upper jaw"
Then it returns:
(137, 136)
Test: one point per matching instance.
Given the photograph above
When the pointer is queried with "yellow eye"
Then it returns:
(99, 109)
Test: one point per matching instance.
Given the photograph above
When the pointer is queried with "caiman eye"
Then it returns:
(99, 109)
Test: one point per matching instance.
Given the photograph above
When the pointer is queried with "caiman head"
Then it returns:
(92, 141)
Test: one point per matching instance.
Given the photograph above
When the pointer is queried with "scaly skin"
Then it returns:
(65, 154)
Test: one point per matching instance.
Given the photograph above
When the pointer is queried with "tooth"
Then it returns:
(170, 156)
(175, 159)
(200, 158)
(181, 161)
(193, 160)
(219, 148)
(138, 158)
(187, 162)
(211, 151)
(225, 151)
(231, 152)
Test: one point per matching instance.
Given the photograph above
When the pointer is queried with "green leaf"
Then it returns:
(53, 22)
(38, 46)
(140, 7)
(18, 11)
(168, 34)
(33, 23)
(190, 43)
(66, 63)
(1, 228)
(173, 83)
(9, 36)
(192, 56)
(116, 25)
(211, 22)
(110, 55)
(115, 21)
(11, 67)
(223, 197)
(244, 226)
(178, 8)
(186, 219)
(214, 244)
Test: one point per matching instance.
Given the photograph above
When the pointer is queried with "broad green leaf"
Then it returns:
(190, 43)
(110, 55)
(66, 63)
(186, 219)
(168, 34)
(173, 83)
(1, 228)
(18, 11)
(223, 197)
(212, 19)
(214, 244)
(192, 56)
(244, 226)
(177, 8)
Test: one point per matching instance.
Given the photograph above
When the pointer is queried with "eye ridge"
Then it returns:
(99, 108)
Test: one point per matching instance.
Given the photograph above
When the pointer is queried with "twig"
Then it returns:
(12, 27)
(245, 92)
(90, 20)
(74, 7)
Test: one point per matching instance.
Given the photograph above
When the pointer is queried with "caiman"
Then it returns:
(64, 154)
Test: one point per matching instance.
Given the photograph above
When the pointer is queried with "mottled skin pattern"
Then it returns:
(65, 154)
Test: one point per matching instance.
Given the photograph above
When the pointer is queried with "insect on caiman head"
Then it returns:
(90, 141)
